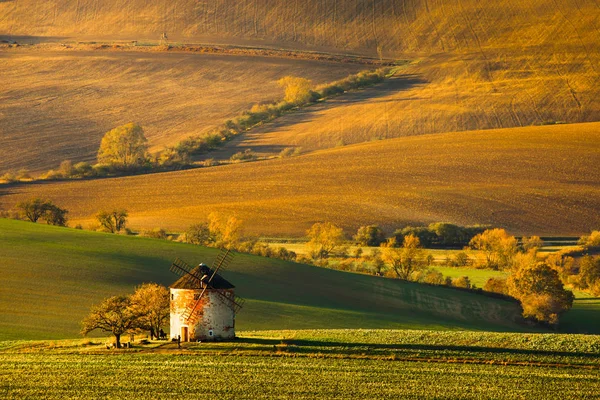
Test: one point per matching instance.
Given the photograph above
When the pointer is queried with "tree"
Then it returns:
(324, 238)
(37, 208)
(199, 234)
(55, 215)
(541, 293)
(33, 209)
(593, 240)
(124, 147)
(151, 302)
(371, 235)
(226, 230)
(589, 274)
(405, 260)
(113, 221)
(297, 90)
(66, 169)
(114, 315)
(532, 243)
(426, 236)
(499, 248)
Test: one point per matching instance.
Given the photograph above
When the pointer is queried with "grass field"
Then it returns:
(57, 104)
(312, 365)
(51, 277)
(536, 180)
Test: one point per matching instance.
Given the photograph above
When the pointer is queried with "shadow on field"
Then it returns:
(309, 113)
(311, 346)
(28, 39)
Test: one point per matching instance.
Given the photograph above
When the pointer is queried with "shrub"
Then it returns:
(9, 177)
(83, 169)
(297, 90)
(246, 155)
(462, 282)
(156, 233)
(496, 285)
(433, 278)
(287, 152)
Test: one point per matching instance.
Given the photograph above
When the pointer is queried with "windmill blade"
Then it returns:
(181, 268)
(235, 302)
(221, 263)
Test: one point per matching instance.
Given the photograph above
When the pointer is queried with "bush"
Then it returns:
(156, 233)
(9, 177)
(246, 155)
(496, 285)
(462, 282)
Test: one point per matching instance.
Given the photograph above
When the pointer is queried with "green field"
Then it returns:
(51, 277)
(312, 365)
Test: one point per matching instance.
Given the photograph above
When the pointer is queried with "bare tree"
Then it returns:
(113, 221)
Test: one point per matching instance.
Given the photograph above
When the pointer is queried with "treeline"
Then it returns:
(439, 234)
(536, 281)
(124, 150)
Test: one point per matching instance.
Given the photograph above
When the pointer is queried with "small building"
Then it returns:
(201, 311)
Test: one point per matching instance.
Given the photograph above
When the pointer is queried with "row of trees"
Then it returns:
(124, 149)
(147, 309)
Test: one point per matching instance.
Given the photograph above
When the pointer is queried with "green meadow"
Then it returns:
(52, 276)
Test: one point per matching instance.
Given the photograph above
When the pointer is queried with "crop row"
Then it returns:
(157, 375)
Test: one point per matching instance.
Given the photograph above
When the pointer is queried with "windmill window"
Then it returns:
(172, 296)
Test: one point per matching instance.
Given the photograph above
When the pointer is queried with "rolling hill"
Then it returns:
(51, 277)
(395, 26)
(535, 180)
(476, 65)
(56, 104)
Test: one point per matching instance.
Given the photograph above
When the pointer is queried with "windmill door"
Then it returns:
(184, 334)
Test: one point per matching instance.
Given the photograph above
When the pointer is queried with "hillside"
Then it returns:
(536, 180)
(475, 65)
(56, 104)
(51, 277)
(396, 26)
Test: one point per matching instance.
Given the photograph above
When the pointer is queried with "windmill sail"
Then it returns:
(193, 312)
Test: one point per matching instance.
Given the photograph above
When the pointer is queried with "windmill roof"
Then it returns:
(189, 282)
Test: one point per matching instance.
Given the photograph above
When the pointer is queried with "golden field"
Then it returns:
(535, 180)
(394, 26)
(57, 104)
(475, 65)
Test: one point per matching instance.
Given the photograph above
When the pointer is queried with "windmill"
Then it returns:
(203, 303)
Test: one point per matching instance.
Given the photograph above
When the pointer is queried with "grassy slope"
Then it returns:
(51, 276)
(57, 104)
(537, 180)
